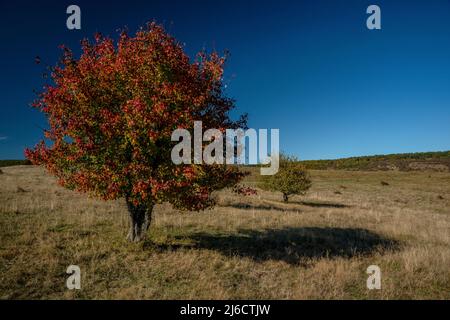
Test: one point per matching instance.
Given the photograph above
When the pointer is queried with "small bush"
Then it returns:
(291, 179)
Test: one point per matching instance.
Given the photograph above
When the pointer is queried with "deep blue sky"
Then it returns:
(310, 68)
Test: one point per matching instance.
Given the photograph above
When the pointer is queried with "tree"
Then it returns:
(292, 178)
(112, 111)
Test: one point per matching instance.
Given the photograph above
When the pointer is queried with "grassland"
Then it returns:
(315, 247)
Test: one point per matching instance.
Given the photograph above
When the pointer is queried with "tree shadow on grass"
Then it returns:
(272, 207)
(263, 207)
(291, 245)
(321, 204)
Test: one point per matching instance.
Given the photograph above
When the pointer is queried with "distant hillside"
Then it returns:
(9, 163)
(435, 161)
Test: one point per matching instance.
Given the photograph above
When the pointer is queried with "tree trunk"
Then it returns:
(285, 197)
(140, 219)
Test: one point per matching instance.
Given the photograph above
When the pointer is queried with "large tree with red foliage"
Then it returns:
(112, 111)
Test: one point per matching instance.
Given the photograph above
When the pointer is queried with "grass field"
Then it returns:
(316, 247)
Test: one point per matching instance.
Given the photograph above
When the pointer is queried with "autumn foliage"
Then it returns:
(112, 111)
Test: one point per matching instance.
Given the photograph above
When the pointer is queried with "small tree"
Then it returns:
(292, 178)
(111, 115)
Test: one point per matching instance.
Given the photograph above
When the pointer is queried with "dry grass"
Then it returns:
(317, 247)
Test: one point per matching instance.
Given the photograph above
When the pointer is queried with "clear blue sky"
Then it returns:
(310, 68)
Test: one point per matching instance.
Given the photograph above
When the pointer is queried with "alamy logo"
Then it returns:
(74, 280)
(237, 150)
(74, 20)
(374, 20)
(374, 280)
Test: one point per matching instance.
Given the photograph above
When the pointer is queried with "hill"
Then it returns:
(10, 163)
(422, 161)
